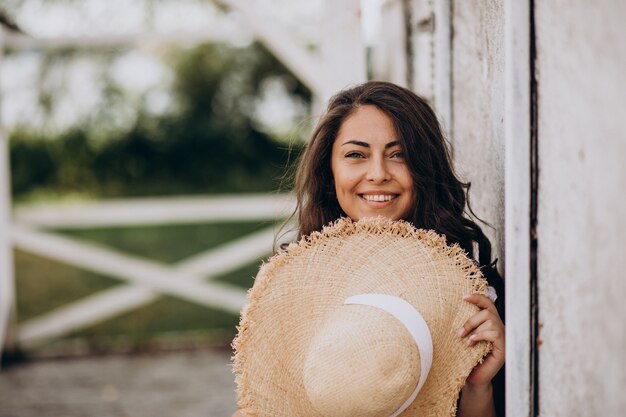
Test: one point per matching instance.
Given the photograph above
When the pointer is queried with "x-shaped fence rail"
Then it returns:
(146, 279)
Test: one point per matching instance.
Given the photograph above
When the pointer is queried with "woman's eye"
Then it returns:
(396, 155)
(354, 155)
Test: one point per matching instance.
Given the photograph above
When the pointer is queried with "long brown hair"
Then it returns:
(441, 198)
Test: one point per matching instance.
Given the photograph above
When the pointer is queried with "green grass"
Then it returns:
(243, 277)
(167, 243)
(44, 284)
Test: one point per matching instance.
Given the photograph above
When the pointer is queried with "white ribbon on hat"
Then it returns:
(414, 323)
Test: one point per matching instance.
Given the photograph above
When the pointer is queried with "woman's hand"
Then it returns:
(484, 325)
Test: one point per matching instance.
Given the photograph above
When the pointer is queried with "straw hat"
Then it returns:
(358, 320)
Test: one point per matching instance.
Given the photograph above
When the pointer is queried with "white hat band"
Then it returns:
(416, 326)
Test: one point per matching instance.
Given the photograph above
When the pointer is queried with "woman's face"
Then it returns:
(369, 169)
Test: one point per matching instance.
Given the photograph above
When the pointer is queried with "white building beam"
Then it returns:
(431, 47)
(343, 49)
(155, 211)
(304, 64)
(389, 59)
(517, 206)
(19, 41)
(443, 63)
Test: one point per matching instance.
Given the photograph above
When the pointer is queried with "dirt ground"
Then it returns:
(175, 384)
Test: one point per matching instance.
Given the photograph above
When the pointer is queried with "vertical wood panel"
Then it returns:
(431, 61)
(389, 55)
(343, 50)
(581, 62)
(478, 109)
(517, 121)
(443, 62)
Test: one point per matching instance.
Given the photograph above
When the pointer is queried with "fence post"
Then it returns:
(7, 289)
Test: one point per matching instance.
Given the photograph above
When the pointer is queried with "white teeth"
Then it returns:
(370, 197)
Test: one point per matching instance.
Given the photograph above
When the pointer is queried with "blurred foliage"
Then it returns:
(210, 144)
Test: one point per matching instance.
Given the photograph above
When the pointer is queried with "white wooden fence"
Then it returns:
(145, 279)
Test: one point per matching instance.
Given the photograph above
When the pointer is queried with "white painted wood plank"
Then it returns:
(303, 64)
(443, 63)
(517, 206)
(147, 274)
(102, 306)
(155, 211)
(25, 42)
(389, 57)
(423, 48)
(83, 313)
(581, 213)
(342, 47)
(431, 45)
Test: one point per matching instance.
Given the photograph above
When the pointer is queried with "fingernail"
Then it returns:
(461, 332)
(465, 297)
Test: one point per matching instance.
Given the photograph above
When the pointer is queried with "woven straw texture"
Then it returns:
(296, 293)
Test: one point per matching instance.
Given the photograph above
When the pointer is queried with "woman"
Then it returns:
(379, 151)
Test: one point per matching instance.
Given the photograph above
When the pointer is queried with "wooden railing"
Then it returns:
(145, 279)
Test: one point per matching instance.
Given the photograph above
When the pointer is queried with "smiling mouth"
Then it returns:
(378, 197)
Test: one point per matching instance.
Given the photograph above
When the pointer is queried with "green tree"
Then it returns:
(209, 144)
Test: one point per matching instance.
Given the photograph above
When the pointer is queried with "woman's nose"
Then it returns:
(378, 171)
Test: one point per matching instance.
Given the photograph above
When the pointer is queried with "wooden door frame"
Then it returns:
(521, 186)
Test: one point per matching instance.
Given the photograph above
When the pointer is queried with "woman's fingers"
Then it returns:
(487, 335)
(481, 301)
(473, 322)
(484, 325)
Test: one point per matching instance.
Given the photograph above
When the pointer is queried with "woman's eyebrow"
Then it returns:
(367, 145)
(356, 142)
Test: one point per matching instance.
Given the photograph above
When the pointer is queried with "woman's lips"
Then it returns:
(378, 200)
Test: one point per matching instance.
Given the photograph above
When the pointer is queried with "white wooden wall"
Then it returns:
(478, 109)
(561, 152)
(581, 229)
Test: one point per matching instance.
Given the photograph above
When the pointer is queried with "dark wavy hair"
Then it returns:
(441, 198)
